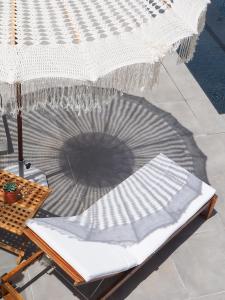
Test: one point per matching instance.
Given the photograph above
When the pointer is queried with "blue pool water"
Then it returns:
(208, 65)
(220, 4)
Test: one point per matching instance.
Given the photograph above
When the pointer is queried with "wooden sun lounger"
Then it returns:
(10, 293)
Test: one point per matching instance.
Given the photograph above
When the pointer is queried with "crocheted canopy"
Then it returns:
(60, 48)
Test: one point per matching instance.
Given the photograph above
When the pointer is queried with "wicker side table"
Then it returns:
(13, 217)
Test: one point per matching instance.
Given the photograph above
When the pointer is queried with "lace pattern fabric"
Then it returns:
(100, 42)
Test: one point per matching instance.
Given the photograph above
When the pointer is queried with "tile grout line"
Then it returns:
(185, 100)
(174, 82)
(179, 276)
(203, 296)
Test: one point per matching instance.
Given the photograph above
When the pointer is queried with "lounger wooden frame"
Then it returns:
(10, 293)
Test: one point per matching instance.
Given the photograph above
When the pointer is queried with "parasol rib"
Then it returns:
(68, 15)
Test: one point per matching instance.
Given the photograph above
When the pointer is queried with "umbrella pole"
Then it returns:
(19, 122)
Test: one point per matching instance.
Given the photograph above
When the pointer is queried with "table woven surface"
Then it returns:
(13, 217)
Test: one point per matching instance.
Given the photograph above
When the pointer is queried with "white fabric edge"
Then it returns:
(84, 256)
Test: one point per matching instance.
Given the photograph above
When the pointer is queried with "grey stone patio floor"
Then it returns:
(192, 266)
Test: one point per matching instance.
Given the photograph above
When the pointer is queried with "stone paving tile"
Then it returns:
(46, 287)
(201, 264)
(182, 78)
(7, 260)
(214, 224)
(183, 114)
(218, 182)
(165, 91)
(162, 284)
(213, 146)
(210, 121)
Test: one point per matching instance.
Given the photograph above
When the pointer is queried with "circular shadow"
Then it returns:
(86, 156)
(97, 159)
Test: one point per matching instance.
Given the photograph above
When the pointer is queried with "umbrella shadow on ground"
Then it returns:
(97, 159)
(85, 157)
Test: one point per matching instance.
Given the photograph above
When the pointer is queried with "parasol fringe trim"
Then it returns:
(74, 95)
(187, 47)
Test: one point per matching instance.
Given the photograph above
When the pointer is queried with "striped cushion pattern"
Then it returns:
(154, 196)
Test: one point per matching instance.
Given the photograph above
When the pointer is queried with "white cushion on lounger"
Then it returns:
(152, 242)
(90, 259)
(94, 259)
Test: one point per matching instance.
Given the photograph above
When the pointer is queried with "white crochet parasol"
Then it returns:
(75, 54)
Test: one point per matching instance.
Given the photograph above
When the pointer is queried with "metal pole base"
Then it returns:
(32, 173)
